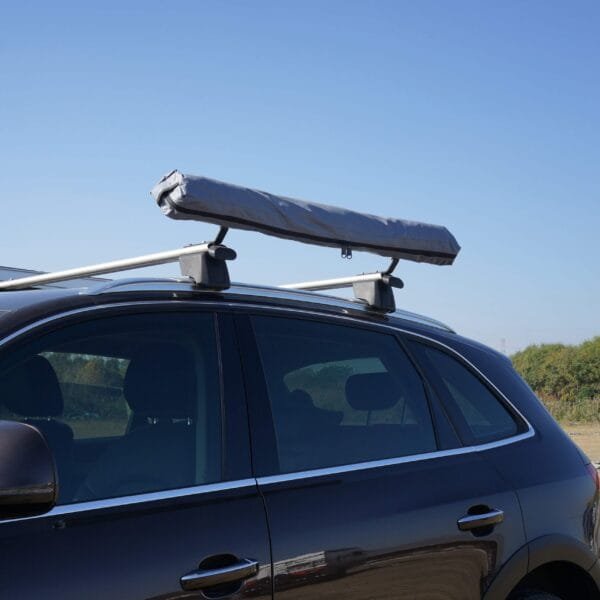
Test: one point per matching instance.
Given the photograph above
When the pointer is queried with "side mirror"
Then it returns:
(27, 472)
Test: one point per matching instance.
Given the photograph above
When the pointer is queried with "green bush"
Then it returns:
(566, 378)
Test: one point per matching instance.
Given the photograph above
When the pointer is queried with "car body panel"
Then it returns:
(132, 551)
(390, 532)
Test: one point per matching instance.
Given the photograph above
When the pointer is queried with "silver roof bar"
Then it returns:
(333, 284)
(375, 289)
(211, 264)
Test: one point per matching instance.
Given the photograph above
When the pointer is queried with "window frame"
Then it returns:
(235, 441)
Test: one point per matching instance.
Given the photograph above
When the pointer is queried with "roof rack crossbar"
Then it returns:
(190, 257)
(333, 284)
(375, 289)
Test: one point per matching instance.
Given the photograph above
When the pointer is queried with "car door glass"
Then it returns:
(92, 390)
(340, 395)
(479, 414)
(128, 404)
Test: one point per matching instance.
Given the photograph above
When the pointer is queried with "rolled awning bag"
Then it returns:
(195, 198)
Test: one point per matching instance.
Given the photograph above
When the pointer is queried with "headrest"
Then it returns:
(162, 383)
(31, 389)
(371, 391)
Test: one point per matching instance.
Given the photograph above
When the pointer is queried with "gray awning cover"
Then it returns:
(202, 199)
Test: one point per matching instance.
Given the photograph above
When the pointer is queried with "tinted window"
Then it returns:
(340, 395)
(92, 390)
(127, 404)
(479, 414)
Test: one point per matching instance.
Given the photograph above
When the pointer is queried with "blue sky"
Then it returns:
(484, 117)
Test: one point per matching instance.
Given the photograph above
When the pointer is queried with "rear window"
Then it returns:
(479, 415)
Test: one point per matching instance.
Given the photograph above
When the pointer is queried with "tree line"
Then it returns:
(566, 378)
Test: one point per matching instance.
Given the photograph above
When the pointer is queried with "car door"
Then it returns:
(367, 493)
(144, 410)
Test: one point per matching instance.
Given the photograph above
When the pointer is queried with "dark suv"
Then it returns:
(159, 441)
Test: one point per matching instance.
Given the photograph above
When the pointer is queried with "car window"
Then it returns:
(128, 404)
(479, 414)
(92, 390)
(340, 395)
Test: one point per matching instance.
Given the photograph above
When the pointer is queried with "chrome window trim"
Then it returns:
(265, 480)
(121, 501)
(388, 462)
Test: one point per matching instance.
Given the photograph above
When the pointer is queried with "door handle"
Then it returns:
(205, 578)
(487, 519)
